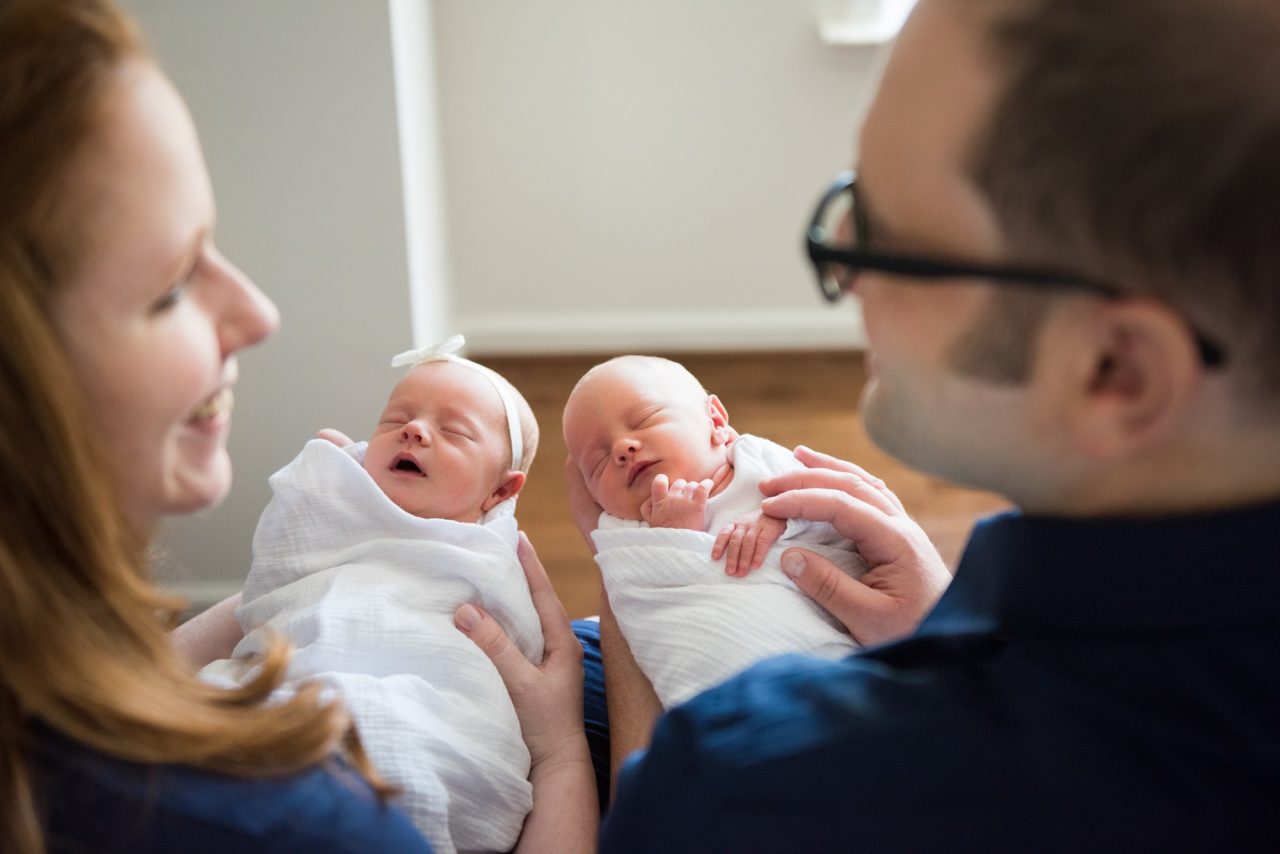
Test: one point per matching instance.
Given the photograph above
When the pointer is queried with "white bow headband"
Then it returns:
(447, 351)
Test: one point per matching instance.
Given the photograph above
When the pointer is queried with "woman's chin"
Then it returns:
(198, 486)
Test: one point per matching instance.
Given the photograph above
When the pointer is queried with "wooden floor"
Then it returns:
(791, 398)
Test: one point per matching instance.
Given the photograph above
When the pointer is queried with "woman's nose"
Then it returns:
(247, 316)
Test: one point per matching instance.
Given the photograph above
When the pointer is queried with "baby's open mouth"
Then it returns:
(407, 464)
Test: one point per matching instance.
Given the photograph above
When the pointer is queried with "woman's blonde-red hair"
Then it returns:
(84, 644)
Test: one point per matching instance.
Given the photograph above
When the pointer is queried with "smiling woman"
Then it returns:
(158, 301)
(119, 325)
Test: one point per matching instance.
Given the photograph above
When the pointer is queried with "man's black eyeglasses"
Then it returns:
(839, 230)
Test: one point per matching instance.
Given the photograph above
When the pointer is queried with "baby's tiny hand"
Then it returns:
(747, 541)
(677, 504)
(336, 437)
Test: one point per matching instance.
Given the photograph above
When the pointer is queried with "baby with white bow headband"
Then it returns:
(361, 559)
(447, 446)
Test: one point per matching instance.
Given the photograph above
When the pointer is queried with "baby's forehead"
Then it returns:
(446, 383)
(621, 388)
(638, 375)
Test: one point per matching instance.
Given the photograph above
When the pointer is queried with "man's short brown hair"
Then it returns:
(1138, 142)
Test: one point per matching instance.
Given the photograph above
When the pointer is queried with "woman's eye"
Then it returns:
(175, 294)
(171, 298)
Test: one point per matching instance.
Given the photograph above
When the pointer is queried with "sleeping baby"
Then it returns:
(362, 557)
(690, 563)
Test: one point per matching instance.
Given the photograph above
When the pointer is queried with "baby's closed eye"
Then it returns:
(458, 430)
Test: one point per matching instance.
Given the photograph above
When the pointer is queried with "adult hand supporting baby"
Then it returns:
(586, 512)
(548, 702)
(906, 575)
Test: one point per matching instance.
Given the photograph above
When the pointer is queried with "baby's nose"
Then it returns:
(624, 449)
(415, 431)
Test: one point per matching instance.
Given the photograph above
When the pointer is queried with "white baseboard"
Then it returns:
(612, 332)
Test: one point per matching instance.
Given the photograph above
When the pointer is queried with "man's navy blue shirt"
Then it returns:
(1083, 685)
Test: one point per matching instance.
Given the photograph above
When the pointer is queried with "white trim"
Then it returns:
(689, 331)
(861, 22)
(422, 172)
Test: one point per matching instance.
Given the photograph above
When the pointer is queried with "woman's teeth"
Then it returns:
(222, 402)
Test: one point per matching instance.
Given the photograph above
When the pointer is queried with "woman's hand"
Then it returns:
(548, 702)
(906, 575)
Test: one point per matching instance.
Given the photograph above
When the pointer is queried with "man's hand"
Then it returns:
(677, 504)
(906, 575)
(746, 541)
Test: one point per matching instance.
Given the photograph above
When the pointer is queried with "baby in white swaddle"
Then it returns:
(361, 559)
(690, 563)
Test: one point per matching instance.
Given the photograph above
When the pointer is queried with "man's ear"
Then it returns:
(1137, 378)
(721, 432)
(512, 483)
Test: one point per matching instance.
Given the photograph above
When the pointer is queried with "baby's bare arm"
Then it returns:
(746, 541)
(210, 635)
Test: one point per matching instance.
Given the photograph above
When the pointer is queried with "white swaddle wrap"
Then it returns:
(688, 624)
(366, 593)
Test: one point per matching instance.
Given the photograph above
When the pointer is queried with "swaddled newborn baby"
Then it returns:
(678, 487)
(361, 559)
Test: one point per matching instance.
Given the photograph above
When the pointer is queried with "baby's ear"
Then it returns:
(721, 432)
(512, 483)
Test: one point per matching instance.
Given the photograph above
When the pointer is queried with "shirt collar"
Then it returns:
(1027, 575)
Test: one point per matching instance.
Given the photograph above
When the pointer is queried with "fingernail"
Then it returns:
(467, 618)
(793, 563)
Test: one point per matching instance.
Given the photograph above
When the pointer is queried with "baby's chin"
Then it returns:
(622, 509)
(416, 505)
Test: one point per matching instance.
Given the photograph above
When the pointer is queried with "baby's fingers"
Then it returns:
(752, 554)
(722, 540)
(659, 487)
(734, 557)
(762, 545)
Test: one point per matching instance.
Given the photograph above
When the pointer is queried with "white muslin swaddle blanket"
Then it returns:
(688, 624)
(366, 593)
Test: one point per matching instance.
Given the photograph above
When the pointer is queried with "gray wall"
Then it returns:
(611, 174)
(637, 175)
(295, 106)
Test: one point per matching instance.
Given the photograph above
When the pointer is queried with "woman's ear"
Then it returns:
(512, 483)
(1137, 379)
(721, 432)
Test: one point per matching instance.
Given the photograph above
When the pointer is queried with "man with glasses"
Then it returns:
(1065, 234)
